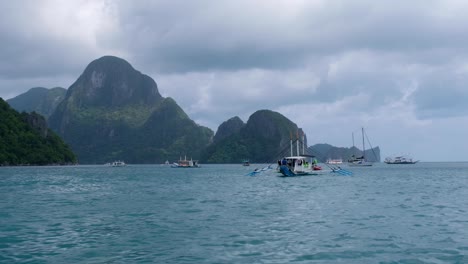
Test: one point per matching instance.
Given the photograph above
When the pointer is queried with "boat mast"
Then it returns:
(303, 143)
(363, 145)
(290, 140)
(297, 143)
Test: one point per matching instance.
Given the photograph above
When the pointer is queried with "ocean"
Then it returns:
(217, 214)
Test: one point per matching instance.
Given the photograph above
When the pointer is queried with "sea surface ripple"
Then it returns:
(218, 214)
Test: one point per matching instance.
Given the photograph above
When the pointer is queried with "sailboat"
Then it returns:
(360, 161)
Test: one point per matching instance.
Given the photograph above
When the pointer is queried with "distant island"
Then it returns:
(114, 112)
(323, 152)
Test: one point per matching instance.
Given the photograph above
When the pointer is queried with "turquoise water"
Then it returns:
(216, 214)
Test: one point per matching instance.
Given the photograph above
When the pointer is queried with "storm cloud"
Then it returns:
(397, 68)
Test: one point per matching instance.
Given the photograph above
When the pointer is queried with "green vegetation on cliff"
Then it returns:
(262, 139)
(113, 111)
(26, 140)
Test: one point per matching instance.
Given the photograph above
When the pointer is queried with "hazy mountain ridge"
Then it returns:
(326, 151)
(38, 99)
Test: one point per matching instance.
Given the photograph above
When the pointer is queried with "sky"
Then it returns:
(397, 68)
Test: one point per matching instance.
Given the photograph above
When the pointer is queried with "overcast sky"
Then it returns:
(397, 68)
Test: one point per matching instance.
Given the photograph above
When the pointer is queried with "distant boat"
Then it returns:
(245, 163)
(184, 163)
(166, 163)
(118, 163)
(334, 161)
(360, 161)
(400, 160)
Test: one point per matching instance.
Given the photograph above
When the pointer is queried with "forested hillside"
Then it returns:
(26, 140)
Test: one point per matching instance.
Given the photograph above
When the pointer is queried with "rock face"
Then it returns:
(114, 112)
(112, 82)
(227, 128)
(264, 138)
(40, 100)
(38, 123)
(26, 140)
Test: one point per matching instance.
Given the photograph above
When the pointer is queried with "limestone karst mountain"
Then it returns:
(113, 111)
(264, 137)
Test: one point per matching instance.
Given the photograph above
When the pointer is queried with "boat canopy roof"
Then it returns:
(299, 157)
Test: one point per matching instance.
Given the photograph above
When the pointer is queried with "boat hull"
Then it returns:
(405, 162)
(360, 164)
(400, 160)
(334, 161)
(178, 166)
(287, 172)
(186, 164)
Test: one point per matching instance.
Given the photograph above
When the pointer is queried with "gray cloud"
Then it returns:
(383, 65)
(210, 35)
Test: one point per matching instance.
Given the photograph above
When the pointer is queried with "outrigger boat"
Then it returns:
(299, 166)
(304, 165)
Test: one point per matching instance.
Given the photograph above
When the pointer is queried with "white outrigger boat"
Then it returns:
(300, 166)
(304, 165)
